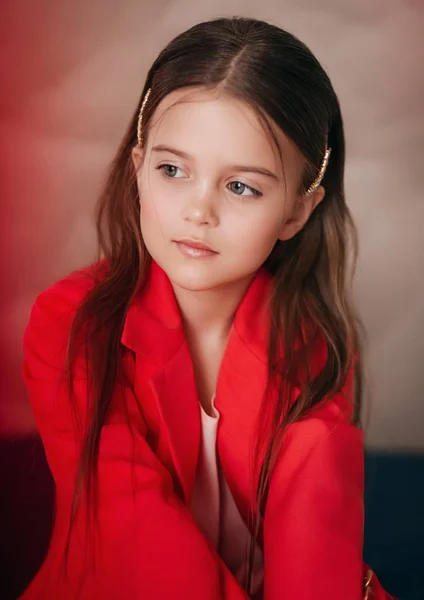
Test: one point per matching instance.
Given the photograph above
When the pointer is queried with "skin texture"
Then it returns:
(207, 196)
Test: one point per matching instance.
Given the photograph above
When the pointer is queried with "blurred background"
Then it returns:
(70, 77)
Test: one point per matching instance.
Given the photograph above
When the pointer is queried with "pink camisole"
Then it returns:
(215, 511)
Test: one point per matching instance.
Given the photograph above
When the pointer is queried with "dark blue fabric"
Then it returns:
(394, 522)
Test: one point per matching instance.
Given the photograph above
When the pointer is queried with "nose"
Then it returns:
(201, 210)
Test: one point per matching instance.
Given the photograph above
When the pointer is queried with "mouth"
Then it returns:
(195, 244)
(194, 248)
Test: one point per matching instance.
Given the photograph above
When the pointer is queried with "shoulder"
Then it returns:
(46, 333)
(66, 294)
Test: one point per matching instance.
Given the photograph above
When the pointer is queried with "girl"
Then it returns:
(205, 439)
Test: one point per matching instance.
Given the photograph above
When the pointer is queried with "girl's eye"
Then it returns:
(239, 188)
(170, 171)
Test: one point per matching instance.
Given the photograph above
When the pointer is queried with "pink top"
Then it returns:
(215, 511)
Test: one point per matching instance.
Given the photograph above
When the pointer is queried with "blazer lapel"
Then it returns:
(153, 330)
(241, 386)
(175, 391)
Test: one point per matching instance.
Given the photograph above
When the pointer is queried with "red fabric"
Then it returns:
(147, 544)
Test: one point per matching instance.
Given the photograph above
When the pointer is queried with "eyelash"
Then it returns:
(255, 193)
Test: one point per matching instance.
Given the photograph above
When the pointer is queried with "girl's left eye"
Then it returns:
(238, 188)
(170, 171)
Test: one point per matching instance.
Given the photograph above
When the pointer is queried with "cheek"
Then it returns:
(154, 208)
(261, 244)
(151, 221)
(259, 230)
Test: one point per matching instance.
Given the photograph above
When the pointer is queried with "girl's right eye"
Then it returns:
(170, 171)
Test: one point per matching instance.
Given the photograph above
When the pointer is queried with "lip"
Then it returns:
(195, 244)
(195, 249)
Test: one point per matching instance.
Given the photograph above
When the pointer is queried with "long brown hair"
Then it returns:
(279, 77)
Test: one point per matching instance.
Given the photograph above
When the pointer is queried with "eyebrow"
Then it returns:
(242, 168)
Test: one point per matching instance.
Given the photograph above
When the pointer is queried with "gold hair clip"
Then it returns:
(321, 173)
(140, 117)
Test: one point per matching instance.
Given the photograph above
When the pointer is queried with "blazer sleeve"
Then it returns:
(313, 524)
(145, 543)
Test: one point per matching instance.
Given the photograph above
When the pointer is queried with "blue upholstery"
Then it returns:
(394, 522)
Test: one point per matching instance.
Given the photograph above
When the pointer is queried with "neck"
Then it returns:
(210, 313)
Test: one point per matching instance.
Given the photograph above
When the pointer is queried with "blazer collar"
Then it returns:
(153, 325)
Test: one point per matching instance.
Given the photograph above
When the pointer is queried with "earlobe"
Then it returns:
(302, 210)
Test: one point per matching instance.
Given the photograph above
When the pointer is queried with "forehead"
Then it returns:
(215, 125)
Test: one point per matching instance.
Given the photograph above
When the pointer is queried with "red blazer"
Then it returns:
(148, 545)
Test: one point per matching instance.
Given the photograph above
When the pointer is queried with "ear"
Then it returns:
(301, 211)
(137, 154)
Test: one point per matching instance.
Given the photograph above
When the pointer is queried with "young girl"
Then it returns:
(197, 388)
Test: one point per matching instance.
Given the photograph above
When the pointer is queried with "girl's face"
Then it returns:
(209, 174)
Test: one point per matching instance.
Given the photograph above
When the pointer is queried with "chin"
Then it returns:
(203, 277)
(194, 277)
